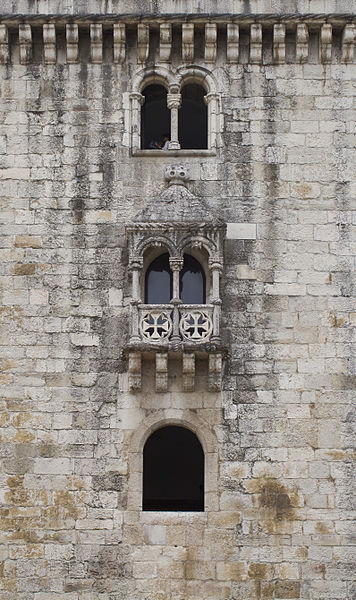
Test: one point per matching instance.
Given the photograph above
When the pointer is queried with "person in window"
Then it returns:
(155, 145)
(165, 141)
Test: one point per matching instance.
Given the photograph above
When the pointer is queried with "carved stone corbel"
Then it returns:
(348, 42)
(165, 42)
(119, 40)
(188, 371)
(49, 43)
(279, 43)
(232, 51)
(72, 36)
(210, 42)
(135, 371)
(143, 42)
(256, 43)
(326, 36)
(215, 372)
(302, 38)
(96, 43)
(25, 40)
(4, 44)
(161, 372)
(188, 42)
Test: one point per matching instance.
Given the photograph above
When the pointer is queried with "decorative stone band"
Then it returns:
(115, 27)
(157, 323)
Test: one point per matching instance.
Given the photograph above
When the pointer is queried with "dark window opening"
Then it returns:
(158, 283)
(193, 118)
(155, 117)
(192, 282)
(173, 471)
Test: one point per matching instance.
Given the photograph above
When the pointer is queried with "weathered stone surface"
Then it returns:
(279, 437)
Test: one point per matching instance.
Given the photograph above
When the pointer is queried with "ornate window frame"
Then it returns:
(182, 418)
(174, 82)
(175, 329)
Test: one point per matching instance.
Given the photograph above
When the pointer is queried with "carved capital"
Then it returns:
(176, 264)
(216, 264)
(174, 100)
(137, 97)
(136, 263)
(210, 98)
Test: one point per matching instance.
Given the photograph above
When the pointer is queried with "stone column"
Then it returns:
(211, 100)
(136, 268)
(137, 101)
(216, 268)
(174, 102)
(176, 265)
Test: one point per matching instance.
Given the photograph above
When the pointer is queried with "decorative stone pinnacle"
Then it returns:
(177, 174)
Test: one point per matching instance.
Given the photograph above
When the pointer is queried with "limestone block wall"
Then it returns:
(278, 438)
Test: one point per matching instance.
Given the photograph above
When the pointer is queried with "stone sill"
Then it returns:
(171, 517)
(169, 153)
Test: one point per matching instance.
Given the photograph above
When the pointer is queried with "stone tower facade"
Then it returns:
(262, 369)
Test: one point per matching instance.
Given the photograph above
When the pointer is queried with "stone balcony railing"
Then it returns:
(175, 323)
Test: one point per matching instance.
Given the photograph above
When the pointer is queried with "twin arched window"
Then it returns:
(159, 281)
(192, 117)
(173, 471)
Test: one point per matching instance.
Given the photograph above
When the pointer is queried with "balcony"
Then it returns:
(175, 330)
(175, 326)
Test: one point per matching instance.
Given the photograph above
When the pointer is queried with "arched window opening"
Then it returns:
(193, 118)
(155, 117)
(173, 471)
(158, 282)
(192, 281)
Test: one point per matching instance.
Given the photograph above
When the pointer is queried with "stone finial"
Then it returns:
(177, 174)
